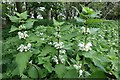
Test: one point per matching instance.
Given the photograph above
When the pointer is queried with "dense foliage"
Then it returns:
(83, 48)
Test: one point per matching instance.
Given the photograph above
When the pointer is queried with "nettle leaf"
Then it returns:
(13, 28)
(80, 20)
(99, 64)
(48, 66)
(56, 23)
(21, 60)
(60, 73)
(46, 50)
(42, 59)
(14, 18)
(23, 15)
(29, 25)
(96, 75)
(91, 21)
(93, 30)
(72, 73)
(32, 72)
(34, 38)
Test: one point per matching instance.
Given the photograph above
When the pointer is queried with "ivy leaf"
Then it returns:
(13, 28)
(21, 60)
(60, 73)
(48, 66)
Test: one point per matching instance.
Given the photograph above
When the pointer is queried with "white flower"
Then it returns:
(77, 66)
(58, 45)
(80, 72)
(61, 58)
(21, 48)
(84, 30)
(55, 59)
(50, 43)
(57, 35)
(43, 39)
(41, 33)
(84, 47)
(23, 35)
(25, 48)
(29, 46)
(62, 51)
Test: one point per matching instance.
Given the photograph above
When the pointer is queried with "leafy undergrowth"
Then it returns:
(62, 50)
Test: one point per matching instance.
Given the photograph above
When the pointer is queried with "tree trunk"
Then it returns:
(49, 14)
(19, 7)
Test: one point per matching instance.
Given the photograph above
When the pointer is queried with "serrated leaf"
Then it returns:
(14, 18)
(60, 73)
(77, 57)
(90, 21)
(32, 72)
(93, 30)
(48, 66)
(47, 49)
(72, 73)
(21, 60)
(56, 23)
(96, 75)
(28, 25)
(13, 28)
(23, 15)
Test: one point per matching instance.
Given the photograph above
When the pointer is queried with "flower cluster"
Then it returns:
(57, 35)
(58, 45)
(22, 47)
(62, 51)
(85, 47)
(84, 30)
(22, 35)
(61, 57)
(55, 59)
(21, 27)
(78, 67)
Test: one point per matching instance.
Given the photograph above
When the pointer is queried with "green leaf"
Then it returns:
(80, 20)
(96, 75)
(56, 23)
(32, 72)
(47, 49)
(23, 15)
(13, 28)
(21, 60)
(99, 64)
(48, 66)
(60, 73)
(93, 30)
(29, 25)
(14, 18)
(72, 73)
(91, 21)
(77, 57)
